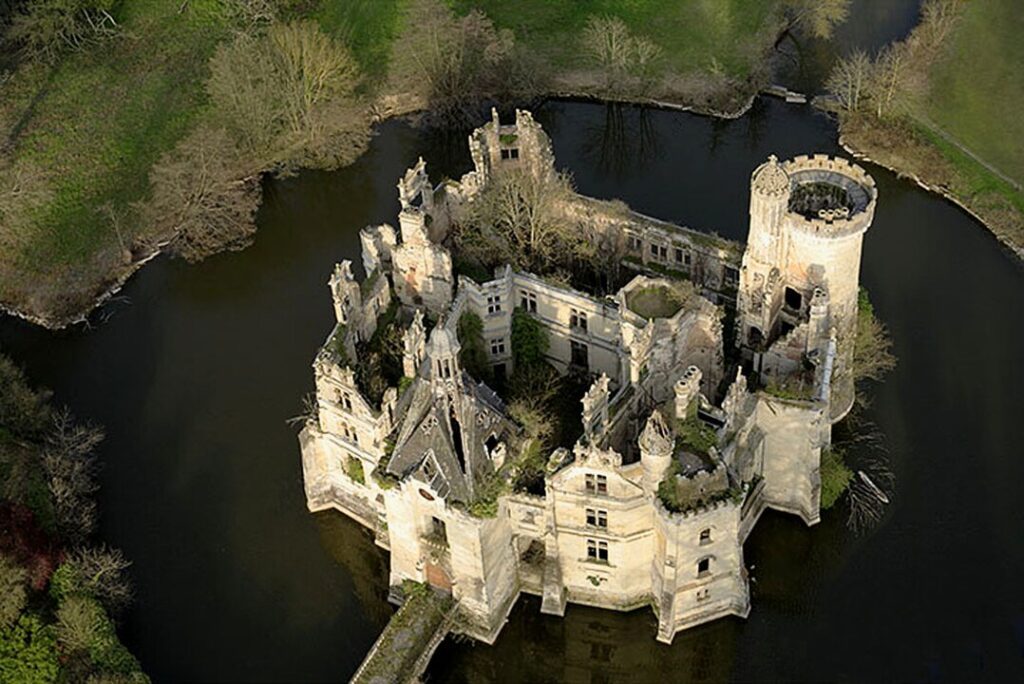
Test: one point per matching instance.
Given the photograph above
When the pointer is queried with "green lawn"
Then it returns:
(695, 35)
(977, 91)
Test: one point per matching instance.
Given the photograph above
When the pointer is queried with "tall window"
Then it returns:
(597, 518)
(597, 551)
(596, 484)
(578, 355)
(493, 304)
(703, 567)
(528, 301)
(578, 320)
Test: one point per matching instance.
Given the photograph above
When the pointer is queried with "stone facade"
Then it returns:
(636, 513)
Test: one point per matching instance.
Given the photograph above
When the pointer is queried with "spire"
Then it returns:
(444, 354)
(770, 178)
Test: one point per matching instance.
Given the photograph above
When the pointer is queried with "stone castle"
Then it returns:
(637, 512)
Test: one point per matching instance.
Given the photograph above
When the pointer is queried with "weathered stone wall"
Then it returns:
(794, 434)
(685, 594)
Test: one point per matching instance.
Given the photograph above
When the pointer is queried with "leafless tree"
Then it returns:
(817, 17)
(47, 28)
(455, 63)
(101, 572)
(69, 460)
(519, 218)
(850, 79)
(888, 78)
(202, 196)
(288, 97)
(610, 45)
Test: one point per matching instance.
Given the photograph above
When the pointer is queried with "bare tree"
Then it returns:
(817, 17)
(455, 63)
(850, 79)
(202, 196)
(610, 45)
(519, 218)
(101, 572)
(47, 28)
(888, 78)
(69, 460)
(938, 18)
(288, 97)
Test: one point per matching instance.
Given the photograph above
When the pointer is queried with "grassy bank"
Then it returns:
(716, 39)
(958, 129)
(79, 136)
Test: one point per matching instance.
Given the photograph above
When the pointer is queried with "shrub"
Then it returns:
(695, 435)
(13, 590)
(473, 353)
(530, 340)
(354, 469)
(28, 651)
(835, 477)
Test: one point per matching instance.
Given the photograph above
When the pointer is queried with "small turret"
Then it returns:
(687, 389)
(444, 355)
(656, 443)
(345, 292)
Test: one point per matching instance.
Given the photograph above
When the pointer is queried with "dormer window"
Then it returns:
(596, 484)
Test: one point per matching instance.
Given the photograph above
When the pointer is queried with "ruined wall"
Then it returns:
(685, 594)
(794, 434)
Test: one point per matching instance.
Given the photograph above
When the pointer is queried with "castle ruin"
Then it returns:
(677, 456)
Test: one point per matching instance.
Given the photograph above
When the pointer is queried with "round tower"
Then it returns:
(656, 443)
(808, 217)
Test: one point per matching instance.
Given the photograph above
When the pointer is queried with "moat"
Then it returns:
(196, 374)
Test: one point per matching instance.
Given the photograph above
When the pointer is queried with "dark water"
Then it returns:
(196, 373)
(803, 63)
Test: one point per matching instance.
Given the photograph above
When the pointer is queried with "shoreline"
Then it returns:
(386, 111)
(1017, 250)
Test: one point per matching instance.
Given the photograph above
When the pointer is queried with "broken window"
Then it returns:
(578, 355)
(497, 346)
(493, 304)
(578, 320)
(793, 299)
(705, 536)
(528, 301)
(597, 518)
(597, 551)
(703, 567)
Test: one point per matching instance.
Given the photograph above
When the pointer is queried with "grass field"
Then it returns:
(977, 91)
(96, 122)
(695, 35)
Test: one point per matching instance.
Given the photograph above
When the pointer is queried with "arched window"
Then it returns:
(705, 536)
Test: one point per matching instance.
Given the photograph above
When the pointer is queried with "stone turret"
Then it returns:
(656, 444)
(414, 343)
(444, 355)
(687, 390)
(595, 409)
(345, 292)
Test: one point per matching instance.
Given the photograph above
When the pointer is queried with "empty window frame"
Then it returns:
(703, 567)
(578, 354)
(498, 346)
(596, 484)
(493, 304)
(705, 536)
(528, 300)
(578, 320)
(597, 518)
(597, 551)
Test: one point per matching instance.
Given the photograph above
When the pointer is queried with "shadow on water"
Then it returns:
(195, 377)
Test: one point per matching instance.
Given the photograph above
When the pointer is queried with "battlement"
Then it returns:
(829, 196)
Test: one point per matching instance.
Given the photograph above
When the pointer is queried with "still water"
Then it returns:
(195, 370)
